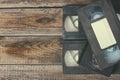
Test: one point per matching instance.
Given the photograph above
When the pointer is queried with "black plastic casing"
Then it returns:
(109, 13)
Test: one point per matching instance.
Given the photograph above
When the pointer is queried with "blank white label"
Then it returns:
(103, 33)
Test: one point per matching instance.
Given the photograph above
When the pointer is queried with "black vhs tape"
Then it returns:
(101, 26)
(71, 26)
(78, 58)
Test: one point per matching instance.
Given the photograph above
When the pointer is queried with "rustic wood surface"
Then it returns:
(45, 72)
(30, 22)
(31, 41)
(30, 50)
(39, 3)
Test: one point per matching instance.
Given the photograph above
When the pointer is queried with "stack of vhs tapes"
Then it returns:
(91, 38)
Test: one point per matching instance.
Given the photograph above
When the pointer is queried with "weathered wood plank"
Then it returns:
(45, 72)
(40, 3)
(30, 50)
(24, 22)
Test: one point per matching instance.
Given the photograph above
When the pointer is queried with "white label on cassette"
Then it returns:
(103, 33)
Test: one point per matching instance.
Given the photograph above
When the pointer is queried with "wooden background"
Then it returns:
(31, 41)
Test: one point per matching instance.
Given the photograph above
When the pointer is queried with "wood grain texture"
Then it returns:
(35, 18)
(39, 3)
(45, 72)
(30, 50)
(26, 22)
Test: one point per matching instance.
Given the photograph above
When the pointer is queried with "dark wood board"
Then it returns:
(30, 50)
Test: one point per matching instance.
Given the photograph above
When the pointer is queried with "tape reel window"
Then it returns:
(94, 12)
(71, 24)
(71, 58)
